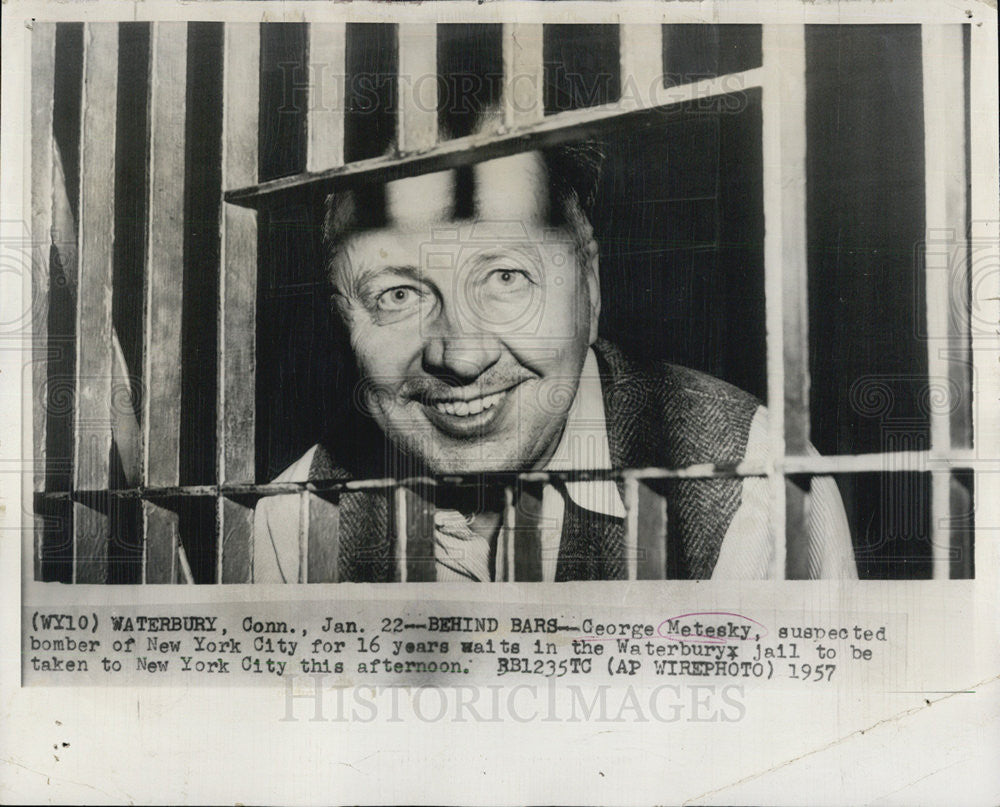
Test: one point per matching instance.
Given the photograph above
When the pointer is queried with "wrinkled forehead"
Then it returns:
(504, 189)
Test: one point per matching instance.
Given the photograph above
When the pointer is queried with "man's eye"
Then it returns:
(508, 280)
(398, 298)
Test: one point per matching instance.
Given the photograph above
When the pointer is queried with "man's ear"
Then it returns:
(592, 277)
(594, 288)
(588, 260)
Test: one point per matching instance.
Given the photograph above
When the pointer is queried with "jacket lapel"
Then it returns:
(592, 545)
(364, 542)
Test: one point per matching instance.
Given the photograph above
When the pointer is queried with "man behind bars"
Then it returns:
(471, 300)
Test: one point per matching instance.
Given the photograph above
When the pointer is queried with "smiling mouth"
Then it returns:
(471, 407)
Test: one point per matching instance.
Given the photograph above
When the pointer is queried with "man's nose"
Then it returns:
(457, 355)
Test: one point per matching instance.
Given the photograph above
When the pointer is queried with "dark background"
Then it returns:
(678, 216)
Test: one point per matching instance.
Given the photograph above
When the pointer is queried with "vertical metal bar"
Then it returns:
(785, 263)
(523, 73)
(527, 557)
(323, 550)
(946, 256)
(651, 507)
(164, 294)
(631, 502)
(418, 101)
(774, 284)
(400, 552)
(984, 214)
(184, 574)
(125, 429)
(94, 352)
(641, 64)
(325, 114)
(303, 531)
(505, 569)
(421, 566)
(43, 61)
(940, 525)
(238, 298)
(959, 311)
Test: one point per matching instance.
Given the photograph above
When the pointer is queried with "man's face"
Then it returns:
(470, 335)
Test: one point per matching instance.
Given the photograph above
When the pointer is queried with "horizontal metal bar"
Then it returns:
(897, 462)
(900, 461)
(345, 486)
(552, 130)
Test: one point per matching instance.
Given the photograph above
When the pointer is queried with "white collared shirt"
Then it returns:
(748, 546)
(584, 444)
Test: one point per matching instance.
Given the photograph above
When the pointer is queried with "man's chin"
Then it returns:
(440, 454)
(474, 465)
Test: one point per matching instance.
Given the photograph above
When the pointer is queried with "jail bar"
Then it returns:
(420, 563)
(323, 545)
(945, 254)
(524, 74)
(94, 352)
(238, 299)
(325, 113)
(417, 87)
(631, 502)
(164, 294)
(645, 530)
(814, 465)
(43, 46)
(185, 575)
(302, 576)
(641, 64)
(400, 534)
(505, 548)
(984, 215)
(528, 560)
(784, 151)
(652, 524)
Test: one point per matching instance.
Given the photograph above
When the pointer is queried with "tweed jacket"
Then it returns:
(660, 415)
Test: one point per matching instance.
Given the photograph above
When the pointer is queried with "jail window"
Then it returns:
(747, 227)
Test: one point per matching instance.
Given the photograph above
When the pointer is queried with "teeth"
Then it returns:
(465, 408)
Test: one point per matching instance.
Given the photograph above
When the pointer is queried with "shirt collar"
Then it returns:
(584, 445)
